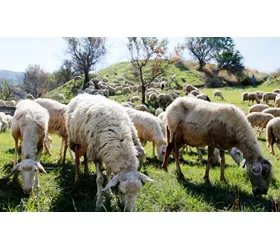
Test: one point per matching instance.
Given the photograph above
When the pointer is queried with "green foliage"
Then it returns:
(6, 89)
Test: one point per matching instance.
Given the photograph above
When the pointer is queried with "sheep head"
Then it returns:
(260, 175)
(29, 172)
(129, 185)
(161, 152)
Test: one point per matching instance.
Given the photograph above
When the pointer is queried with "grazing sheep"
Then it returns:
(253, 97)
(217, 93)
(57, 122)
(269, 96)
(258, 108)
(103, 133)
(188, 88)
(274, 111)
(244, 97)
(203, 97)
(164, 100)
(198, 123)
(259, 94)
(276, 91)
(152, 97)
(135, 99)
(126, 90)
(273, 134)
(30, 125)
(142, 107)
(259, 120)
(149, 129)
(195, 92)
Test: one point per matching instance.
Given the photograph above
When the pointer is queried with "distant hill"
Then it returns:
(10, 75)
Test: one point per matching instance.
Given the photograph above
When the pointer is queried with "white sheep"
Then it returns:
(251, 97)
(274, 111)
(198, 123)
(273, 134)
(269, 96)
(217, 93)
(258, 108)
(164, 100)
(101, 129)
(4, 122)
(126, 90)
(57, 123)
(135, 99)
(149, 128)
(30, 125)
(259, 120)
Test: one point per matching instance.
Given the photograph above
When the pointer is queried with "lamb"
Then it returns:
(274, 111)
(217, 93)
(259, 120)
(57, 122)
(104, 135)
(30, 125)
(198, 123)
(149, 129)
(269, 96)
(258, 108)
(273, 134)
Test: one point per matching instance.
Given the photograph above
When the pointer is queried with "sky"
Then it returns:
(16, 54)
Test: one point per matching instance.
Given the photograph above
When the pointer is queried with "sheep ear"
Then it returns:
(40, 167)
(113, 182)
(16, 167)
(143, 177)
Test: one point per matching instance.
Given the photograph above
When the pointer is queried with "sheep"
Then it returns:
(128, 104)
(4, 122)
(9, 120)
(174, 77)
(149, 129)
(277, 101)
(142, 107)
(152, 97)
(273, 134)
(258, 108)
(30, 125)
(195, 92)
(276, 91)
(187, 88)
(30, 97)
(2, 103)
(103, 132)
(259, 119)
(274, 111)
(13, 103)
(259, 94)
(217, 93)
(57, 122)
(158, 111)
(253, 97)
(244, 97)
(164, 100)
(269, 96)
(61, 97)
(203, 97)
(126, 90)
(135, 99)
(198, 123)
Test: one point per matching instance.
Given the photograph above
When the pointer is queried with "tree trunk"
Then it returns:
(143, 94)
(86, 80)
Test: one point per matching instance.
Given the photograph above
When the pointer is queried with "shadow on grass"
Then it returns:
(76, 198)
(226, 197)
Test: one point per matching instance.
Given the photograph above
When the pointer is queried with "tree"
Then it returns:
(6, 89)
(150, 52)
(230, 60)
(204, 49)
(85, 53)
(35, 81)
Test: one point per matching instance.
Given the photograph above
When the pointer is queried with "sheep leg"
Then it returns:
(153, 149)
(209, 163)
(47, 148)
(176, 155)
(99, 182)
(77, 163)
(261, 130)
(199, 154)
(86, 170)
(108, 178)
(16, 151)
(222, 170)
(168, 151)
(272, 149)
(64, 152)
(39, 151)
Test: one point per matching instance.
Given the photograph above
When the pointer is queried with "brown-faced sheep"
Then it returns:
(198, 123)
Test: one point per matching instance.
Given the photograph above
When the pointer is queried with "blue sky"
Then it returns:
(17, 53)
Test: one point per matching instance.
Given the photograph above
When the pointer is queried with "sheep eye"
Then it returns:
(35, 170)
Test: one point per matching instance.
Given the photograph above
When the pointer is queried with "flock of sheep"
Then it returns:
(112, 135)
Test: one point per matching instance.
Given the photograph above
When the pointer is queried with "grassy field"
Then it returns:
(57, 193)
